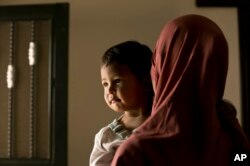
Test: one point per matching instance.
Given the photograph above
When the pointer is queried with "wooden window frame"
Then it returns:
(58, 13)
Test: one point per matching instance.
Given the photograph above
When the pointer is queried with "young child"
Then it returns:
(125, 76)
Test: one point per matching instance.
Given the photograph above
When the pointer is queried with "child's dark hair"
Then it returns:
(135, 55)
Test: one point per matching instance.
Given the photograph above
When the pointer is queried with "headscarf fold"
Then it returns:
(189, 124)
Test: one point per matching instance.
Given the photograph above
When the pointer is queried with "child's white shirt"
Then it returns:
(107, 140)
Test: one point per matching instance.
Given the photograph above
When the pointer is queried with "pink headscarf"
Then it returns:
(190, 123)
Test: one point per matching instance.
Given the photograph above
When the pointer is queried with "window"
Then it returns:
(33, 84)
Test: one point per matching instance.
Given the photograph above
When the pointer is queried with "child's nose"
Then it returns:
(111, 89)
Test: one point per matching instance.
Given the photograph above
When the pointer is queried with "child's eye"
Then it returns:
(104, 84)
(117, 81)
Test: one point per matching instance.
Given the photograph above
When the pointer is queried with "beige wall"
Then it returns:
(95, 25)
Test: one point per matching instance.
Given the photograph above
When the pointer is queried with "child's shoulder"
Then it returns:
(119, 129)
(114, 130)
(107, 134)
(104, 131)
(107, 129)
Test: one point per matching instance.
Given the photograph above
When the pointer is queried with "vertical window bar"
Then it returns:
(32, 61)
(10, 78)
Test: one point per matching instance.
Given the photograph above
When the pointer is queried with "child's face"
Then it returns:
(122, 90)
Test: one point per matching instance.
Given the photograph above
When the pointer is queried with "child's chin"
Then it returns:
(118, 110)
